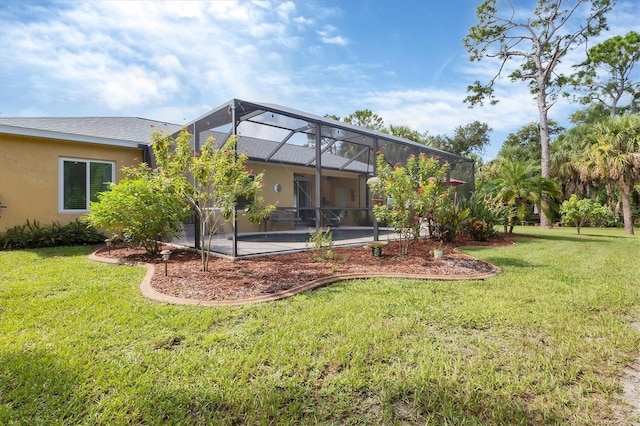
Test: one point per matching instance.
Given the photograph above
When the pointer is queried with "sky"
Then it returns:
(175, 61)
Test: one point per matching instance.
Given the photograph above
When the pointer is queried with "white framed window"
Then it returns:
(80, 181)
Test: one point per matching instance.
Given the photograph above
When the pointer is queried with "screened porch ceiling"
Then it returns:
(273, 133)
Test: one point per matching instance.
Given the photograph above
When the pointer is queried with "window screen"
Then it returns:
(75, 185)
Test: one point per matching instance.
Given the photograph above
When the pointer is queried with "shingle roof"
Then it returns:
(124, 129)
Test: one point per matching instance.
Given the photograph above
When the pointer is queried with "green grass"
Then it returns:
(545, 342)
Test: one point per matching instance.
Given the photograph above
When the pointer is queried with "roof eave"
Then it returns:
(24, 131)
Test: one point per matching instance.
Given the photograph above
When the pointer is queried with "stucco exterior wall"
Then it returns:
(29, 171)
(30, 168)
(352, 185)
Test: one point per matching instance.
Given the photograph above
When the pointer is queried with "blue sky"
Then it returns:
(174, 61)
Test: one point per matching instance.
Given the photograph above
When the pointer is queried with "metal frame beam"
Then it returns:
(362, 151)
(284, 141)
(326, 147)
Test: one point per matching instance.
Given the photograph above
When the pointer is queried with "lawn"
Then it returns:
(545, 342)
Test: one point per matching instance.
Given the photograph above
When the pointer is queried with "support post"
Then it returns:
(376, 232)
(234, 220)
(318, 177)
(196, 225)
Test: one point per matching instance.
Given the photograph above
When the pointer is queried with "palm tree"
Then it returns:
(517, 184)
(564, 166)
(614, 157)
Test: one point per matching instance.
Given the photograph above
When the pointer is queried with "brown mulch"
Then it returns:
(240, 279)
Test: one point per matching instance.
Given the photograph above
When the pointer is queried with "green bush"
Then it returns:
(451, 217)
(477, 229)
(142, 207)
(578, 212)
(34, 235)
(413, 193)
(321, 242)
(482, 218)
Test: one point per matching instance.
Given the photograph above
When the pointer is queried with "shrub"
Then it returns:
(141, 207)
(577, 212)
(450, 216)
(482, 217)
(34, 235)
(478, 230)
(321, 242)
(413, 193)
(219, 183)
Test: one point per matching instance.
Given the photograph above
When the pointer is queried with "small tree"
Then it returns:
(577, 212)
(412, 193)
(211, 181)
(143, 206)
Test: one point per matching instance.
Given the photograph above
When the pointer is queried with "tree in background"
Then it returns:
(537, 41)
(565, 151)
(365, 118)
(593, 113)
(327, 143)
(211, 181)
(524, 145)
(408, 133)
(577, 212)
(515, 187)
(613, 156)
(470, 138)
(143, 207)
(605, 76)
(361, 118)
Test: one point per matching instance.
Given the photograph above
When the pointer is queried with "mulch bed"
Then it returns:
(240, 279)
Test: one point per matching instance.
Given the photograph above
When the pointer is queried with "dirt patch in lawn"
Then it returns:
(235, 280)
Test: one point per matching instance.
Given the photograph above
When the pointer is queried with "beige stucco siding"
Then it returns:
(332, 182)
(284, 175)
(29, 175)
(30, 171)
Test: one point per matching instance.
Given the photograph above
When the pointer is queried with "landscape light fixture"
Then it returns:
(165, 258)
(108, 242)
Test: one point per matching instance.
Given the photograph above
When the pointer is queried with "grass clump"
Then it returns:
(545, 342)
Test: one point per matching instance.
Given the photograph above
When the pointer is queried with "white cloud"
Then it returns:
(169, 63)
(337, 40)
(327, 35)
(301, 20)
(285, 10)
(137, 53)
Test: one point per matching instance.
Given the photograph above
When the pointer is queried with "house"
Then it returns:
(50, 168)
(315, 168)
